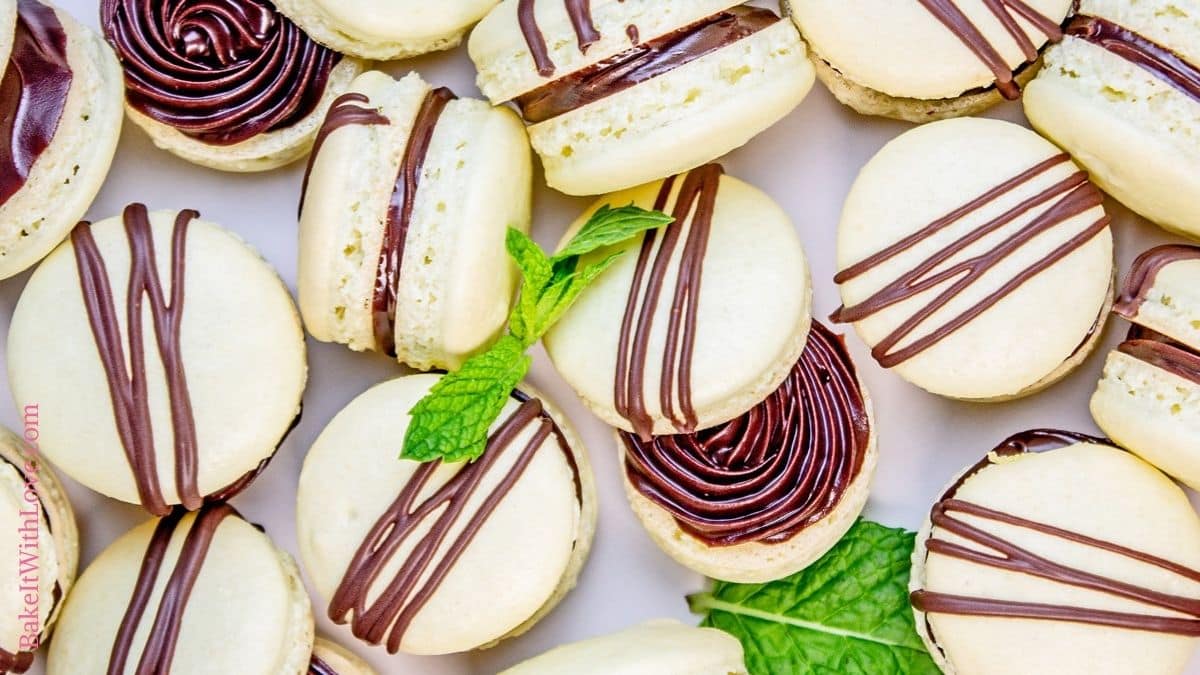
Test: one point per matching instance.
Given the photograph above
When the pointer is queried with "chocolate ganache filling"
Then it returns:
(767, 475)
(33, 93)
(220, 71)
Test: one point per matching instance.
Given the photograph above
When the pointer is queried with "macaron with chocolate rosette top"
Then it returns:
(229, 84)
(60, 117)
(620, 93)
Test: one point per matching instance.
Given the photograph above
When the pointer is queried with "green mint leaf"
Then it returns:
(847, 613)
(609, 226)
(536, 271)
(451, 423)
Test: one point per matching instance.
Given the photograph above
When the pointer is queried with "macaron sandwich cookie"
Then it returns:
(1122, 95)
(409, 196)
(620, 93)
(201, 592)
(1059, 553)
(1148, 399)
(166, 357)
(435, 557)
(924, 60)
(976, 260)
(651, 648)
(228, 84)
(39, 529)
(60, 116)
(329, 658)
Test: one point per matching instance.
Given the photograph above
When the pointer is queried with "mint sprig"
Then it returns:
(451, 422)
(846, 613)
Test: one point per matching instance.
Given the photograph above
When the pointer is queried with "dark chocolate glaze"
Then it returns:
(15, 663)
(693, 212)
(1142, 343)
(33, 94)
(399, 217)
(317, 666)
(344, 112)
(220, 71)
(1160, 61)
(948, 13)
(773, 471)
(580, 13)
(1165, 353)
(642, 62)
(1144, 273)
(164, 632)
(424, 570)
(1067, 198)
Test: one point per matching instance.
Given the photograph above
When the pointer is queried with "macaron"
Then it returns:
(201, 592)
(39, 530)
(385, 30)
(927, 60)
(408, 199)
(976, 260)
(697, 322)
(1148, 399)
(228, 84)
(60, 102)
(437, 558)
(621, 93)
(1122, 95)
(329, 658)
(1059, 553)
(764, 495)
(188, 402)
(652, 648)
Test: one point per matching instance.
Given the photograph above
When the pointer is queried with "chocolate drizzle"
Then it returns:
(1160, 61)
(220, 71)
(15, 663)
(400, 211)
(693, 211)
(1067, 198)
(33, 95)
(1162, 352)
(773, 471)
(317, 666)
(953, 18)
(344, 112)
(642, 62)
(1145, 344)
(1144, 273)
(427, 565)
(580, 14)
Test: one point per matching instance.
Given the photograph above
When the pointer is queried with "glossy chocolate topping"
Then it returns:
(435, 516)
(958, 23)
(347, 110)
(1143, 343)
(772, 472)
(1162, 352)
(400, 211)
(580, 14)
(33, 94)
(1067, 198)
(642, 62)
(15, 663)
(220, 71)
(1163, 63)
(1144, 273)
(317, 666)
(693, 212)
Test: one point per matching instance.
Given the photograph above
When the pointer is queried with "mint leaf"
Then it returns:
(536, 271)
(609, 226)
(848, 613)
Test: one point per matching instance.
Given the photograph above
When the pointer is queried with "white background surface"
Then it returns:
(806, 162)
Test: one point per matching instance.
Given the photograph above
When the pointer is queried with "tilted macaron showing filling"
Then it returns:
(1059, 553)
(767, 493)
(170, 353)
(229, 84)
(329, 658)
(652, 648)
(697, 322)
(437, 558)
(620, 93)
(1122, 95)
(408, 199)
(925, 60)
(1148, 399)
(203, 592)
(60, 117)
(976, 260)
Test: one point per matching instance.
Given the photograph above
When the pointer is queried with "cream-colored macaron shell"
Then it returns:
(1038, 331)
(341, 660)
(242, 350)
(661, 647)
(248, 612)
(1136, 134)
(523, 559)
(752, 316)
(385, 29)
(456, 281)
(65, 178)
(8, 22)
(1086, 488)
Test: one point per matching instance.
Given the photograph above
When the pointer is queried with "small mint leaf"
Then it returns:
(609, 226)
(536, 271)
